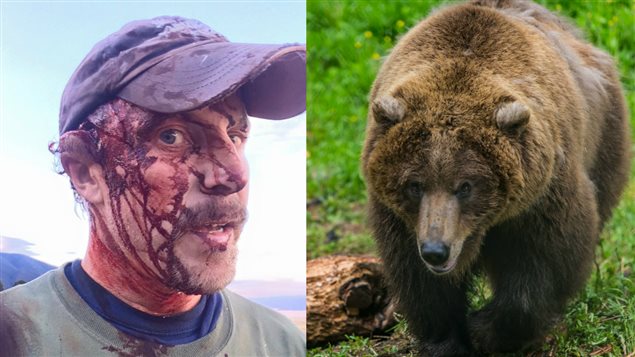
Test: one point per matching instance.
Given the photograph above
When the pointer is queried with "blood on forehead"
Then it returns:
(234, 111)
(121, 119)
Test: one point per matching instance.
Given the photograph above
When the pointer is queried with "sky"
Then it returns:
(41, 43)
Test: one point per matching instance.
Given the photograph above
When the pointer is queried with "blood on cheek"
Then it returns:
(145, 197)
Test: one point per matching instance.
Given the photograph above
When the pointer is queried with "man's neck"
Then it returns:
(132, 284)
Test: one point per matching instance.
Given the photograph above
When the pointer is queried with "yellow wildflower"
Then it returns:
(613, 21)
(358, 44)
(368, 34)
(400, 24)
(376, 56)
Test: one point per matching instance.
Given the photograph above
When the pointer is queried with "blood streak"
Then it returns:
(124, 158)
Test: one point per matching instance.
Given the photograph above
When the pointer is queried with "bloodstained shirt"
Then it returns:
(47, 317)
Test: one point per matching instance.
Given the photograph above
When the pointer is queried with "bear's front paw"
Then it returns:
(482, 333)
(502, 333)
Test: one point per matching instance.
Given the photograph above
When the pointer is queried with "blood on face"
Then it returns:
(176, 190)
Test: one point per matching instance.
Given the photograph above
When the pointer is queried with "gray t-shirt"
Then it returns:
(46, 317)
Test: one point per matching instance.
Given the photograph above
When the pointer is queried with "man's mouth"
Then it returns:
(216, 235)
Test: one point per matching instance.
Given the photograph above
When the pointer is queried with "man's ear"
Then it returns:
(80, 166)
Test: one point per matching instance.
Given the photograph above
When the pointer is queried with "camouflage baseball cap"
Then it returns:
(171, 64)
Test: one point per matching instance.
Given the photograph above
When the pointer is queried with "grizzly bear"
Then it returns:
(497, 143)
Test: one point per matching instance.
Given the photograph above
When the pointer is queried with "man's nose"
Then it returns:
(224, 171)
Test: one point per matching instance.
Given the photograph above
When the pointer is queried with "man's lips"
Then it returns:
(216, 236)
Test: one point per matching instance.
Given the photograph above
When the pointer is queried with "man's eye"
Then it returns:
(171, 137)
(236, 139)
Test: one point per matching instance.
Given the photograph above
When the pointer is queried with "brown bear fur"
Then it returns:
(496, 131)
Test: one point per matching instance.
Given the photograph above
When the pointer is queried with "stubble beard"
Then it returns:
(186, 264)
(195, 267)
(191, 276)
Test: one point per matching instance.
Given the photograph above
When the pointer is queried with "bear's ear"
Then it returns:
(388, 110)
(512, 117)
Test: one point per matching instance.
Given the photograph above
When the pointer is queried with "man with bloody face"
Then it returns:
(153, 127)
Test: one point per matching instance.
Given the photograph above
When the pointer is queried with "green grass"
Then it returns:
(347, 41)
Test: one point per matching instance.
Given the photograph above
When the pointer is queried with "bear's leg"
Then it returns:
(435, 307)
(507, 324)
(436, 316)
(534, 265)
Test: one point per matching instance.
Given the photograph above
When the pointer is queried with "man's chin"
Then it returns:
(193, 275)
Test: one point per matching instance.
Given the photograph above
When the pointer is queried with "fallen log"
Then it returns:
(346, 295)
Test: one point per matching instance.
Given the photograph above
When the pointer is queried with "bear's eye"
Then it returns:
(464, 190)
(414, 190)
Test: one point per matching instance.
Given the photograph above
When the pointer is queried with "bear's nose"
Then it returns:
(435, 253)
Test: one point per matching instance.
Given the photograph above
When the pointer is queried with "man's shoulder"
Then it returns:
(253, 320)
(245, 309)
(36, 289)
(26, 311)
(36, 301)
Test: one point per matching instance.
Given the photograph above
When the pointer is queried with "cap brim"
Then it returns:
(271, 78)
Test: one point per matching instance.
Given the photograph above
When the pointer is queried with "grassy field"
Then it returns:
(347, 41)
